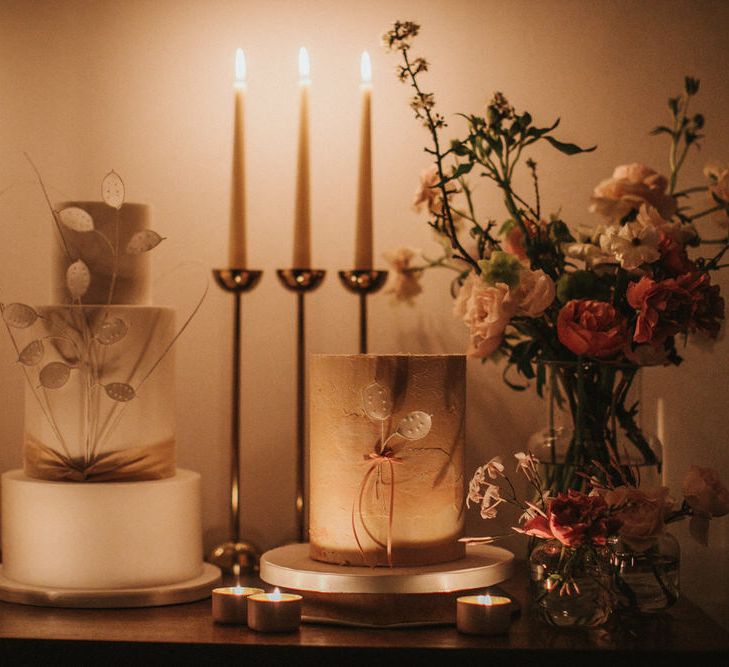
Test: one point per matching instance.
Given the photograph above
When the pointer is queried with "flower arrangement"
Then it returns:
(640, 568)
(577, 312)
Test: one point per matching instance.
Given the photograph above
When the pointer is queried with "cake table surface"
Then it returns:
(185, 634)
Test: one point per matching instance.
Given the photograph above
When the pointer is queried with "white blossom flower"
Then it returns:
(526, 463)
(632, 244)
(495, 467)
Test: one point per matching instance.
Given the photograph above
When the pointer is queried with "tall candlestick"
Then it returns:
(363, 244)
(302, 210)
(237, 248)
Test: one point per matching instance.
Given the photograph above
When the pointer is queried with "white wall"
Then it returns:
(145, 88)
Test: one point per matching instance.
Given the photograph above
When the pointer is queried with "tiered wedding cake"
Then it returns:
(100, 504)
(386, 459)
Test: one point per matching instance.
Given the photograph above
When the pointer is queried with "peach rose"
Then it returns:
(630, 186)
(705, 493)
(592, 328)
(535, 293)
(406, 284)
(643, 515)
(486, 310)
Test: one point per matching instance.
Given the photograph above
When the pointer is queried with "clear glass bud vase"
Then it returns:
(646, 573)
(571, 587)
(593, 420)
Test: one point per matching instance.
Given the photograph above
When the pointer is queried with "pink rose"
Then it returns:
(486, 310)
(535, 293)
(630, 186)
(643, 515)
(592, 328)
(705, 493)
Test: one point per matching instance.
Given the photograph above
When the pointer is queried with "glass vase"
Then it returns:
(593, 426)
(646, 573)
(571, 588)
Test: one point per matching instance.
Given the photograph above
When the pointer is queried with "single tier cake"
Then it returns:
(386, 458)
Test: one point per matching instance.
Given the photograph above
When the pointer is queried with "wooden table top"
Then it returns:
(185, 633)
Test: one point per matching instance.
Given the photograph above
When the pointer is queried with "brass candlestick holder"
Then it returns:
(235, 556)
(363, 282)
(301, 281)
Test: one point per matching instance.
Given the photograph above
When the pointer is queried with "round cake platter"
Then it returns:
(382, 596)
(191, 590)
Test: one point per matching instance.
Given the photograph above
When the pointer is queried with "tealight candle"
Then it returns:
(483, 614)
(230, 604)
(274, 612)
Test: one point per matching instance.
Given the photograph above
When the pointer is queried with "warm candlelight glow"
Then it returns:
(275, 596)
(304, 66)
(365, 68)
(240, 68)
(484, 599)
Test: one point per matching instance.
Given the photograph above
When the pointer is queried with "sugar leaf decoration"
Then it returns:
(19, 315)
(111, 331)
(143, 241)
(120, 391)
(112, 190)
(377, 402)
(32, 353)
(78, 279)
(54, 375)
(415, 425)
(77, 219)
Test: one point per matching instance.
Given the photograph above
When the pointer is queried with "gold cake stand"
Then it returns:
(383, 596)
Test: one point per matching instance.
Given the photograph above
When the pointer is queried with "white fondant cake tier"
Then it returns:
(132, 285)
(87, 428)
(401, 504)
(101, 536)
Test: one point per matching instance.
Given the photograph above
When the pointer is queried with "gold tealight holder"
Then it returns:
(235, 555)
(363, 282)
(302, 282)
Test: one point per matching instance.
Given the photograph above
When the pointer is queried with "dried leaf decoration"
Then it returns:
(54, 375)
(77, 219)
(377, 402)
(32, 353)
(112, 190)
(120, 391)
(415, 425)
(111, 331)
(143, 242)
(19, 315)
(78, 279)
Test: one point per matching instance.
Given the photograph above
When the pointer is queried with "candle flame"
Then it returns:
(304, 65)
(365, 67)
(276, 595)
(485, 599)
(237, 590)
(240, 66)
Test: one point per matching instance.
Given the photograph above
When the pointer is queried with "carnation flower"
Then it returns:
(406, 281)
(664, 309)
(707, 304)
(486, 310)
(630, 186)
(592, 328)
(674, 258)
(575, 519)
